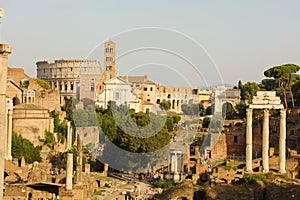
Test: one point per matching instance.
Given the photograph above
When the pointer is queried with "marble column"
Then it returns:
(79, 161)
(69, 135)
(249, 141)
(5, 50)
(9, 135)
(175, 162)
(69, 174)
(265, 142)
(282, 141)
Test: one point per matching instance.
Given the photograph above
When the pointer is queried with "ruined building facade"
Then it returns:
(72, 78)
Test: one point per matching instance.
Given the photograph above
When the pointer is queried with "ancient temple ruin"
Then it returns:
(266, 100)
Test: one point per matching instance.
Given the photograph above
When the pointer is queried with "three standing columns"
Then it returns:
(265, 141)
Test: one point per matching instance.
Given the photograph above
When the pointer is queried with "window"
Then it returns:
(145, 89)
(169, 96)
(148, 100)
(158, 101)
(151, 89)
(117, 96)
(235, 139)
(59, 69)
(92, 87)
(72, 86)
(66, 86)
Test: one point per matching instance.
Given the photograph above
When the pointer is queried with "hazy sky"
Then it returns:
(241, 38)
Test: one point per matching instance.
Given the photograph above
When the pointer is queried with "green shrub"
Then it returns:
(164, 184)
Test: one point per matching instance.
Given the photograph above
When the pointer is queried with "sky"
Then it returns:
(190, 43)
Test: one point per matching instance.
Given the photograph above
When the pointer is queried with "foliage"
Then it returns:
(228, 112)
(268, 84)
(206, 122)
(170, 123)
(248, 90)
(284, 75)
(60, 128)
(165, 105)
(164, 184)
(24, 84)
(252, 178)
(241, 110)
(24, 148)
(135, 132)
(48, 139)
(296, 92)
(193, 109)
(44, 84)
(209, 110)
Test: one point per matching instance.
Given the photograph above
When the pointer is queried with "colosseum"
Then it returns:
(72, 78)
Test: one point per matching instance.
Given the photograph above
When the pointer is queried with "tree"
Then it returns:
(165, 105)
(283, 76)
(228, 111)
(241, 110)
(205, 122)
(296, 92)
(249, 90)
(24, 148)
(42, 83)
(193, 109)
(268, 84)
(209, 110)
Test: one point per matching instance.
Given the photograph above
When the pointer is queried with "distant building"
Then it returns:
(72, 78)
(221, 95)
(119, 91)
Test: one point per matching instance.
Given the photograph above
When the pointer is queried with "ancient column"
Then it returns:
(249, 141)
(175, 162)
(105, 169)
(282, 139)
(265, 142)
(69, 175)
(69, 138)
(79, 161)
(5, 50)
(9, 135)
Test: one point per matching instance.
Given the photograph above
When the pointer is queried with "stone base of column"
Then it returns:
(265, 170)
(282, 171)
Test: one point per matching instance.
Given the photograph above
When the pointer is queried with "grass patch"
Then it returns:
(235, 162)
(249, 179)
(164, 184)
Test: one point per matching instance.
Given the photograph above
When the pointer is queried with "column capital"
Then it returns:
(282, 113)
(5, 49)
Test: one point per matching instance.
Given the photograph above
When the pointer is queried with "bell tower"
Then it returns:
(109, 60)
